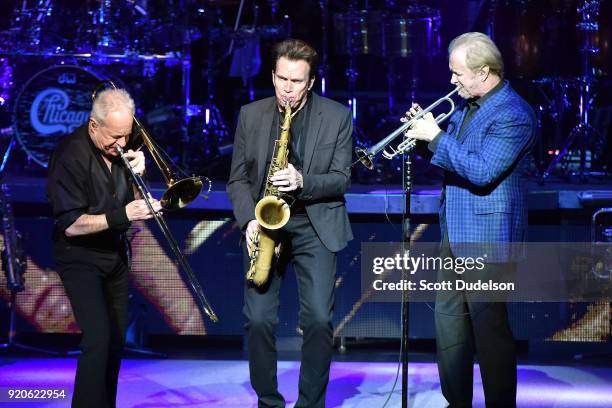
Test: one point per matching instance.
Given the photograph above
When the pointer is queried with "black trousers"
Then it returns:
(315, 268)
(98, 294)
(465, 327)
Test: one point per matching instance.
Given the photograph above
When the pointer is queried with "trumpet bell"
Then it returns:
(272, 212)
(365, 157)
(181, 193)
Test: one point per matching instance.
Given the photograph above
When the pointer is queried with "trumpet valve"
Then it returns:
(389, 155)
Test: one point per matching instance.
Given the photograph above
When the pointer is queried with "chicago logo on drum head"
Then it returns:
(51, 105)
(50, 113)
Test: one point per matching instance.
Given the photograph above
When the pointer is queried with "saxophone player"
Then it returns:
(313, 184)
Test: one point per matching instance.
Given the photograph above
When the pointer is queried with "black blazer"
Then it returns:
(326, 170)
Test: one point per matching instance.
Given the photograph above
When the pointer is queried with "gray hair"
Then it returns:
(111, 100)
(479, 51)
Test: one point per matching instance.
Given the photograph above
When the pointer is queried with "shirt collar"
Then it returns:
(478, 102)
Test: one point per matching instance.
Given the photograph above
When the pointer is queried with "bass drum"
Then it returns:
(52, 104)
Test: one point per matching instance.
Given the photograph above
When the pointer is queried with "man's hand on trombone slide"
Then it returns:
(139, 210)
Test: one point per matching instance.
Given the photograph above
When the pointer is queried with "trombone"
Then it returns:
(366, 156)
(179, 194)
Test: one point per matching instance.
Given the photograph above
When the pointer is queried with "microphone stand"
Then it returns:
(406, 226)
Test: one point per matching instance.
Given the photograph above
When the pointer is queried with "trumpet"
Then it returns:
(366, 156)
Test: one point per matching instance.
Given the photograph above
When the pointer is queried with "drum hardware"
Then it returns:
(354, 32)
(9, 149)
(583, 137)
(14, 263)
(29, 18)
(359, 32)
(410, 33)
(324, 64)
(6, 81)
(215, 133)
(210, 110)
(556, 107)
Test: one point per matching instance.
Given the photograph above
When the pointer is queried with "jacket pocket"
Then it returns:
(334, 204)
(326, 146)
(493, 207)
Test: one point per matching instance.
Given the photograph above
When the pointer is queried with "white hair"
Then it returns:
(111, 100)
(479, 51)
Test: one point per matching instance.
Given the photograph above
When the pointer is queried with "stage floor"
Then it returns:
(149, 383)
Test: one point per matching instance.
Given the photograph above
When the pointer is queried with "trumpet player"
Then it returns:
(312, 186)
(93, 204)
(484, 153)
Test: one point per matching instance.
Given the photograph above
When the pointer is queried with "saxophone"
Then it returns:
(272, 212)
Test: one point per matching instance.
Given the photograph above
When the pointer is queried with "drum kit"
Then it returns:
(392, 36)
(54, 52)
(584, 145)
(405, 33)
(561, 48)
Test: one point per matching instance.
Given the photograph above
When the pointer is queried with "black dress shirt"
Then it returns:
(297, 139)
(297, 134)
(80, 182)
(471, 106)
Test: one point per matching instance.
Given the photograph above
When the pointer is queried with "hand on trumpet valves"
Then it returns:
(139, 210)
(424, 128)
(137, 161)
(288, 179)
(252, 228)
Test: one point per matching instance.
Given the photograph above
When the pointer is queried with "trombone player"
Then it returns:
(484, 154)
(313, 183)
(93, 204)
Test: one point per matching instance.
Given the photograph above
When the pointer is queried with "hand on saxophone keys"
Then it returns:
(425, 128)
(288, 179)
(252, 229)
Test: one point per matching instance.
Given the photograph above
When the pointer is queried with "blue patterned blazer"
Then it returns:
(484, 197)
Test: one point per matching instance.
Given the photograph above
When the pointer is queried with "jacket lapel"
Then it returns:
(264, 132)
(468, 128)
(485, 110)
(312, 134)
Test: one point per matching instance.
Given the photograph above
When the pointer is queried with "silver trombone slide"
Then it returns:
(196, 288)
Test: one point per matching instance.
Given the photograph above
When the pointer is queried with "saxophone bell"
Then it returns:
(272, 212)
